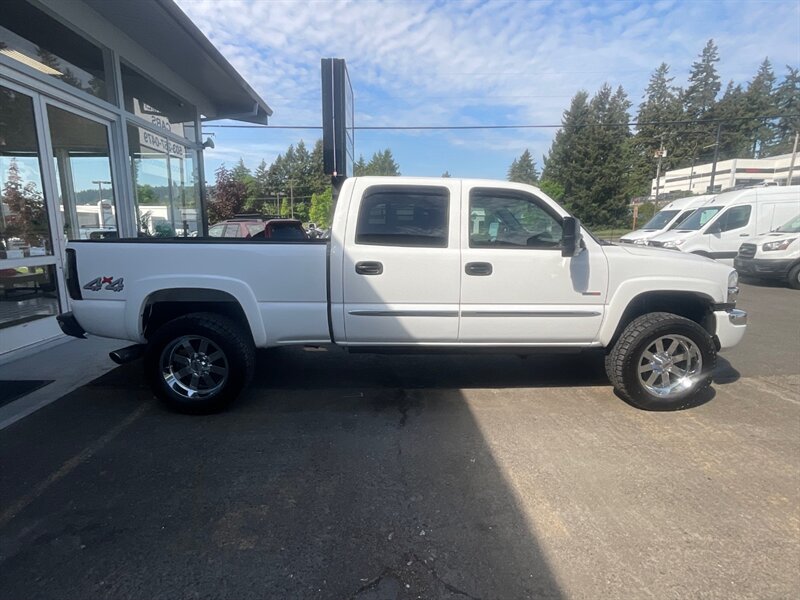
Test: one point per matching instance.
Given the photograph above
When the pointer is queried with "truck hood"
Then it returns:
(675, 234)
(682, 257)
(639, 234)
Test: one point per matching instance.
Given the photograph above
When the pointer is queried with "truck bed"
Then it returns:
(280, 283)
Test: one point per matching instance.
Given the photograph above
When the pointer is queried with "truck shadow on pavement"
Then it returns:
(305, 489)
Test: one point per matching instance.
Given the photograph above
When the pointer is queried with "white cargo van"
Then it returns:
(669, 217)
(718, 228)
(774, 255)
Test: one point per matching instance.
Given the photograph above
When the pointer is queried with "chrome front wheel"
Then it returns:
(670, 366)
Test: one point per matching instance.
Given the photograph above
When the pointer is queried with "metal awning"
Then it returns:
(163, 29)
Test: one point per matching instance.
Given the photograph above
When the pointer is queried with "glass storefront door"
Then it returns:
(55, 185)
(29, 255)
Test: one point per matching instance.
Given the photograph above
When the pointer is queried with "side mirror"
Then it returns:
(572, 239)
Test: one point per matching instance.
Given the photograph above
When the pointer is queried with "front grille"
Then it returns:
(747, 250)
(656, 243)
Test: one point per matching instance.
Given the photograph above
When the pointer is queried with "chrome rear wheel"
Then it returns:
(194, 367)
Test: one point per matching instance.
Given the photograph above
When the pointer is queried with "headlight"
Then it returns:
(779, 245)
(640, 242)
(673, 244)
(733, 287)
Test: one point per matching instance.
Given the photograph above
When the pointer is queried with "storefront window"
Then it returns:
(24, 226)
(86, 191)
(155, 105)
(166, 185)
(31, 37)
(27, 293)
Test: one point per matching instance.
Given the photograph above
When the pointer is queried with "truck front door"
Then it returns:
(400, 270)
(516, 287)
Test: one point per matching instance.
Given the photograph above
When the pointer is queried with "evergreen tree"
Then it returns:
(523, 169)
(787, 102)
(360, 167)
(560, 159)
(286, 209)
(760, 101)
(27, 213)
(446, 174)
(736, 133)
(382, 163)
(704, 83)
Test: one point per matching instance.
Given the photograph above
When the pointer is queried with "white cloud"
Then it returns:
(430, 62)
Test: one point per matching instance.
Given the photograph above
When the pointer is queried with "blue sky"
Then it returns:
(471, 62)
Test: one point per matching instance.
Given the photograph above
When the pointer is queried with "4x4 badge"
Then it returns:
(112, 285)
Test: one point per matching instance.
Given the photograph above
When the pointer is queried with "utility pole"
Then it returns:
(716, 155)
(658, 169)
(794, 156)
(291, 195)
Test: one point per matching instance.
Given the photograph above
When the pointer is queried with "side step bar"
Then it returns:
(127, 354)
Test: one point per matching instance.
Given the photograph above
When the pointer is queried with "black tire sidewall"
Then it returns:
(792, 279)
(639, 396)
(227, 335)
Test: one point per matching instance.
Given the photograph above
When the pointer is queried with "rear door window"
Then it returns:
(216, 231)
(232, 230)
(404, 216)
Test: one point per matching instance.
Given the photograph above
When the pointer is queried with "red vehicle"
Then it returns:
(259, 227)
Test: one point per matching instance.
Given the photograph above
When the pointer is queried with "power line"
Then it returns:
(476, 127)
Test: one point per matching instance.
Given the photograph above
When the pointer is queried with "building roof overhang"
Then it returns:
(165, 31)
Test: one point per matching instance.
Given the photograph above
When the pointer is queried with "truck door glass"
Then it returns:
(685, 215)
(404, 216)
(509, 219)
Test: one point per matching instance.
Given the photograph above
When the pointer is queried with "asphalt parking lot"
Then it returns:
(369, 477)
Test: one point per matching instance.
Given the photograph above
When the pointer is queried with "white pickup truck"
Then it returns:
(412, 264)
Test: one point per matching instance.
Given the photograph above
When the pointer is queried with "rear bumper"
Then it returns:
(763, 268)
(730, 327)
(69, 325)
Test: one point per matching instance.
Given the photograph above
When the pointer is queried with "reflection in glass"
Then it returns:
(166, 184)
(27, 294)
(86, 191)
(157, 106)
(34, 39)
(24, 227)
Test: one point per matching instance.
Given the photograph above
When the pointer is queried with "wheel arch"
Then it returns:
(694, 305)
(157, 303)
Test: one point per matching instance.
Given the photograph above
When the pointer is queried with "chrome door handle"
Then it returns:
(369, 267)
(744, 235)
(478, 268)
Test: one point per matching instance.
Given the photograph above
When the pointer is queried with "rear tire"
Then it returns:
(794, 277)
(662, 361)
(199, 363)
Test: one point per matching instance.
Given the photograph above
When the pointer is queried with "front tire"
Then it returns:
(199, 363)
(661, 361)
(793, 278)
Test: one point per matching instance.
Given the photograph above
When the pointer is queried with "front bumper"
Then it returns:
(730, 327)
(69, 325)
(759, 267)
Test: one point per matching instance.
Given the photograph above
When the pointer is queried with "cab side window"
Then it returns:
(232, 230)
(404, 216)
(736, 217)
(510, 219)
(216, 230)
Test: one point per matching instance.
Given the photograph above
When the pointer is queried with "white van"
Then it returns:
(669, 217)
(774, 255)
(718, 228)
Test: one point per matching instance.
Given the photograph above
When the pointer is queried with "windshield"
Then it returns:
(660, 219)
(699, 218)
(685, 215)
(792, 226)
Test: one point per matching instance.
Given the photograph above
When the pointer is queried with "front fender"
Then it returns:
(143, 288)
(629, 289)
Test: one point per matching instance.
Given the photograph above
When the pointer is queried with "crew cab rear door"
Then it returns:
(401, 263)
(516, 287)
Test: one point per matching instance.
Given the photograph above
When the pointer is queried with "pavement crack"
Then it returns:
(403, 404)
(448, 586)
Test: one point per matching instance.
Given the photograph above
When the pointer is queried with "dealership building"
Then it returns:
(737, 172)
(101, 107)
